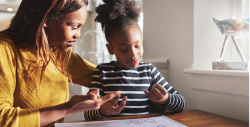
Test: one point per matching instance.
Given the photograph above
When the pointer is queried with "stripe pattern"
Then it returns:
(108, 78)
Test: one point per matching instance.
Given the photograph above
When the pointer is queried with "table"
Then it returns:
(191, 118)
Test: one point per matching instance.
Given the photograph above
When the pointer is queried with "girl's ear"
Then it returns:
(110, 49)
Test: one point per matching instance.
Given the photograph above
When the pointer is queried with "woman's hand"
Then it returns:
(91, 101)
(157, 94)
(77, 103)
(112, 107)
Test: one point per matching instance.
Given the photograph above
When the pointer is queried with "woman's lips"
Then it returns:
(70, 43)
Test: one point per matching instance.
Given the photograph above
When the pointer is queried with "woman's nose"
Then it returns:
(77, 35)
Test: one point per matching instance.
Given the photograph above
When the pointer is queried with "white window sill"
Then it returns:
(236, 73)
(221, 81)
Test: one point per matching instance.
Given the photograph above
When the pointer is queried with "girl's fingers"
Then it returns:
(146, 92)
(97, 92)
(157, 94)
(116, 104)
(150, 96)
(109, 97)
(153, 97)
(118, 109)
(161, 89)
(94, 92)
(114, 101)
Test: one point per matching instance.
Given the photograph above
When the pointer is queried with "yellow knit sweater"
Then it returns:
(20, 93)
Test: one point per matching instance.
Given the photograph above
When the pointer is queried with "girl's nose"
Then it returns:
(133, 52)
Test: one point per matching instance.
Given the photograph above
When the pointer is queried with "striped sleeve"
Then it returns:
(96, 83)
(176, 101)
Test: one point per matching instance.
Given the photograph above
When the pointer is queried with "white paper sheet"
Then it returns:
(160, 121)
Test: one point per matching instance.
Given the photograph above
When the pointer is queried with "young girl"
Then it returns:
(134, 78)
(36, 64)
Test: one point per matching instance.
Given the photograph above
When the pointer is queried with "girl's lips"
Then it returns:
(134, 61)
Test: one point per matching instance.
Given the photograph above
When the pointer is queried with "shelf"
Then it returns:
(236, 73)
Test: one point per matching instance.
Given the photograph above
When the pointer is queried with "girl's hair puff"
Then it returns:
(117, 15)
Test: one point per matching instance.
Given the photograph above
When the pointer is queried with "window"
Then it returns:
(208, 40)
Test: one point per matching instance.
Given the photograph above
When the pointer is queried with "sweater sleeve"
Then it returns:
(176, 101)
(96, 83)
(81, 70)
(12, 116)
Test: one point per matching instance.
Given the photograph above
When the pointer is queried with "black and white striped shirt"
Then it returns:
(109, 78)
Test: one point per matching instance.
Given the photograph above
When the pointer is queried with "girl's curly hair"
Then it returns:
(117, 15)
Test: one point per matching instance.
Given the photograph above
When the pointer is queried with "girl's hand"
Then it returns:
(112, 107)
(91, 101)
(157, 94)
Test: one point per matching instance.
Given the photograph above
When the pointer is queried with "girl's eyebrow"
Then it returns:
(139, 40)
(71, 23)
(128, 44)
(123, 44)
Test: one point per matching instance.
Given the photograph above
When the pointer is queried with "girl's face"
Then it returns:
(127, 47)
(63, 33)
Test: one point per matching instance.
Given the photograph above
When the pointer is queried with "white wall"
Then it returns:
(223, 95)
(168, 33)
(169, 30)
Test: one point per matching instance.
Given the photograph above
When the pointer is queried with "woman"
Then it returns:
(36, 64)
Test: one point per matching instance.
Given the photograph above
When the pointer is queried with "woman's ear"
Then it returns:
(110, 49)
(45, 24)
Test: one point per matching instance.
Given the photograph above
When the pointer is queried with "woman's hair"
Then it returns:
(26, 28)
(117, 15)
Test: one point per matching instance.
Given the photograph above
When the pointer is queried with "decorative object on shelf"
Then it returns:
(231, 28)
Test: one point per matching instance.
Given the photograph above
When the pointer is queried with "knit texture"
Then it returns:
(21, 95)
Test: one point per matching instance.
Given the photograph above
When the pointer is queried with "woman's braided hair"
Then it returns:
(27, 31)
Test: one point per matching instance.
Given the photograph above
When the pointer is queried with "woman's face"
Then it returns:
(127, 47)
(63, 33)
